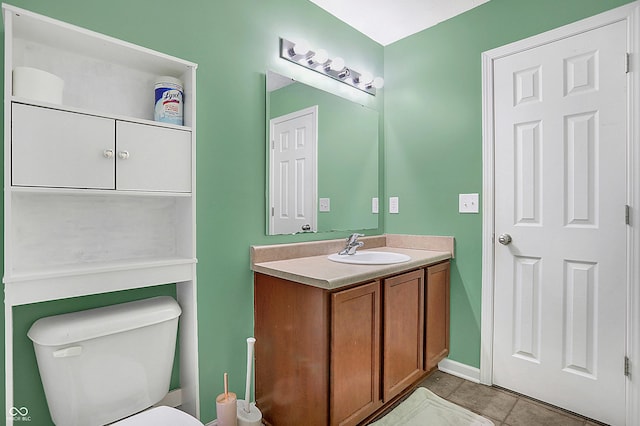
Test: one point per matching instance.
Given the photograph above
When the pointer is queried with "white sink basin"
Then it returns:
(370, 258)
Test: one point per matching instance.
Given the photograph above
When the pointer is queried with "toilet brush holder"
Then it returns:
(248, 413)
(253, 417)
(226, 409)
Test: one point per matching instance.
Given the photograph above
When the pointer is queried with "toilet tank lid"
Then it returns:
(92, 323)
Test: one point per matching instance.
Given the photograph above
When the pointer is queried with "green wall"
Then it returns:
(234, 42)
(433, 134)
(432, 145)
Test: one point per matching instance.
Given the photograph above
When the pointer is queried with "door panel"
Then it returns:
(293, 172)
(560, 193)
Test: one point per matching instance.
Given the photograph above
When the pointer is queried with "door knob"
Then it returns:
(107, 153)
(504, 239)
(123, 155)
(306, 227)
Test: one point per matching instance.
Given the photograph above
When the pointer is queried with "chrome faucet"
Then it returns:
(352, 244)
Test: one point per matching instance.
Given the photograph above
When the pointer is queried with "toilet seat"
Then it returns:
(160, 416)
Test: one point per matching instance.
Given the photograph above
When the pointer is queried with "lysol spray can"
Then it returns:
(169, 100)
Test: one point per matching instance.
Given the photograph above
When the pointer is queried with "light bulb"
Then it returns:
(337, 64)
(378, 82)
(321, 56)
(301, 47)
(365, 77)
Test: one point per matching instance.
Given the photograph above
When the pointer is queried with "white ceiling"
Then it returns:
(386, 21)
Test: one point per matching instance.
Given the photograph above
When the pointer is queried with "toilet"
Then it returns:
(110, 364)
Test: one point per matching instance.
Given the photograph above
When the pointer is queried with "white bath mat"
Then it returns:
(424, 407)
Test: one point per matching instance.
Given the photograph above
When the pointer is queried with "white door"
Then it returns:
(560, 193)
(292, 177)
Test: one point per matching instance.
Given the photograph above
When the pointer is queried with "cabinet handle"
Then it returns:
(123, 155)
(107, 153)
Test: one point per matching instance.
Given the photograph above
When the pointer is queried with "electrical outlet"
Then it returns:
(394, 205)
(324, 204)
(468, 203)
(374, 205)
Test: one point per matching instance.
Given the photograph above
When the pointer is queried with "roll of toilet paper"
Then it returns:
(38, 85)
(251, 418)
(226, 409)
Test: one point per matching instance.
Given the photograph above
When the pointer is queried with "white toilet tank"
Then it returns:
(100, 365)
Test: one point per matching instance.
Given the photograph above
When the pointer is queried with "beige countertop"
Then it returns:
(317, 270)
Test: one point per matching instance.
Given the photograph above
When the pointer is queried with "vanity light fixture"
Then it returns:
(318, 60)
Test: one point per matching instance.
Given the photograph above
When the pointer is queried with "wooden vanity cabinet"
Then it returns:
(336, 357)
(437, 314)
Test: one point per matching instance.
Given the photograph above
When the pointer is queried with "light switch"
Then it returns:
(394, 205)
(324, 204)
(468, 203)
(374, 205)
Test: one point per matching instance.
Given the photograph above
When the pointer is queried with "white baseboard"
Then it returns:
(458, 369)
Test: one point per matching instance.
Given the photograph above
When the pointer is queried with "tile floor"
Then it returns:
(502, 407)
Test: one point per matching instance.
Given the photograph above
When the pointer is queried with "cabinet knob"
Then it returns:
(123, 155)
(107, 153)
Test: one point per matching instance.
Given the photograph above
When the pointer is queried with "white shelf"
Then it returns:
(102, 75)
(73, 270)
(82, 281)
(62, 242)
(94, 113)
(81, 192)
(50, 32)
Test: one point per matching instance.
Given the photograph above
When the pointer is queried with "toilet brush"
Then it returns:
(248, 413)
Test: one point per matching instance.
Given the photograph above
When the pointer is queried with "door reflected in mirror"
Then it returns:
(322, 163)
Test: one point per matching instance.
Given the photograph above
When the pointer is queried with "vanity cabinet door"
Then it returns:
(52, 148)
(292, 356)
(403, 332)
(152, 158)
(355, 354)
(437, 315)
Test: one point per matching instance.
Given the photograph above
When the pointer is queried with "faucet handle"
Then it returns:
(352, 244)
(354, 237)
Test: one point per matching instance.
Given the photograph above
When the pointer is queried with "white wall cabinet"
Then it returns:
(97, 196)
(54, 148)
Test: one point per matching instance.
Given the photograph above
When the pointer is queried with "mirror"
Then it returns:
(322, 161)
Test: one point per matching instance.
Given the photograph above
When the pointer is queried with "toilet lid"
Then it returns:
(160, 416)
